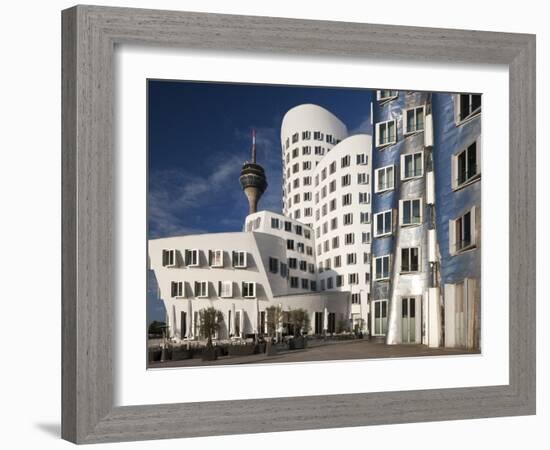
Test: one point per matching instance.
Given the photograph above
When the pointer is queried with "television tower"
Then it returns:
(253, 179)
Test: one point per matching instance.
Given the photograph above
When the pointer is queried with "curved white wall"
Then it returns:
(305, 118)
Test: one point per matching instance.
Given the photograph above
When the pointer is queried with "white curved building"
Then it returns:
(308, 133)
(342, 220)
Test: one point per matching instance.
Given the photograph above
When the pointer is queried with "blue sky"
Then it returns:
(199, 135)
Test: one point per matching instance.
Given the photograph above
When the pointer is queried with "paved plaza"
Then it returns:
(329, 351)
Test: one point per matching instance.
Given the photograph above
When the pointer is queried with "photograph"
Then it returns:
(297, 223)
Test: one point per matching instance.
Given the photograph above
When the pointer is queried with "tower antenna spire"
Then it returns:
(253, 145)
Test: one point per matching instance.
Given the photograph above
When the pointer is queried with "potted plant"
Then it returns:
(209, 324)
(274, 316)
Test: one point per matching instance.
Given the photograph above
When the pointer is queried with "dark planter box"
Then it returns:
(297, 343)
(260, 348)
(209, 354)
(271, 349)
(155, 354)
(241, 350)
(180, 354)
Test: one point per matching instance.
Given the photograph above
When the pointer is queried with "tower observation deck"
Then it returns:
(253, 180)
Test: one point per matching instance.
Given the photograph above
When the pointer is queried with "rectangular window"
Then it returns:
(292, 263)
(177, 289)
(325, 228)
(346, 199)
(414, 120)
(332, 167)
(249, 289)
(330, 283)
(295, 138)
(463, 231)
(306, 165)
(192, 258)
(284, 270)
(345, 161)
(309, 250)
(339, 280)
(288, 226)
(326, 245)
(239, 260)
(353, 278)
(364, 217)
(201, 289)
(334, 223)
(225, 289)
(313, 285)
(216, 258)
(332, 204)
(275, 223)
(295, 167)
(386, 133)
(363, 178)
(319, 150)
(296, 183)
(303, 265)
(362, 159)
(351, 258)
(364, 198)
(349, 238)
(466, 106)
(383, 95)
(348, 219)
(290, 244)
(332, 186)
(366, 258)
(324, 210)
(383, 223)
(335, 242)
(412, 166)
(346, 180)
(410, 260)
(384, 179)
(305, 283)
(318, 136)
(382, 267)
(380, 317)
(356, 299)
(307, 182)
(169, 258)
(337, 261)
(301, 247)
(293, 282)
(411, 211)
(306, 150)
(306, 135)
(273, 265)
(465, 166)
(311, 268)
(365, 237)
(323, 192)
(308, 212)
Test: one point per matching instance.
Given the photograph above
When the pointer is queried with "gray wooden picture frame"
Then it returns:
(90, 34)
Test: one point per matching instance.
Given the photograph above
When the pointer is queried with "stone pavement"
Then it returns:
(331, 351)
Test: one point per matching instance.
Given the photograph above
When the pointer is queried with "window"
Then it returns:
(319, 150)
(412, 166)
(295, 167)
(332, 167)
(351, 258)
(273, 265)
(345, 161)
(290, 244)
(287, 143)
(317, 182)
(225, 289)
(356, 299)
(307, 182)
(380, 317)
(292, 263)
(301, 247)
(215, 258)
(169, 258)
(335, 242)
(324, 210)
(327, 264)
(414, 120)
(382, 267)
(365, 237)
(293, 282)
(311, 268)
(411, 211)
(287, 157)
(306, 135)
(349, 238)
(322, 285)
(288, 226)
(275, 223)
(239, 260)
(364, 217)
(353, 278)
(323, 174)
(385, 95)
(308, 212)
(192, 258)
(466, 106)
(332, 186)
(303, 265)
(364, 198)
(339, 280)
(313, 285)
(346, 199)
(463, 231)
(362, 159)
(332, 204)
(284, 270)
(323, 192)
(295, 138)
(383, 223)
(201, 289)
(337, 261)
(318, 136)
(306, 150)
(330, 283)
(409, 259)
(366, 259)
(384, 179)
(298, 229)
(386, 133)
(348, 219)
(326, 245)
(307, 233)
(346, 180)
(363, 178)
(305, 283)
(297, 214)
(306, 165)
(325, 228)
(465, 166)
(309, 250)
(249, 289)
(177, 289)
(296, 183)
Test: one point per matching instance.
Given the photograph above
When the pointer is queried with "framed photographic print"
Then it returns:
(246, 202)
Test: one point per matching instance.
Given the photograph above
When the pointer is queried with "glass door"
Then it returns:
(408, 320)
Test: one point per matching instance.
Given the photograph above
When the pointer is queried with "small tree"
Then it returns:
(343, 326)
(209, 323)
(299, 318)
(359, 326)
(274, 316)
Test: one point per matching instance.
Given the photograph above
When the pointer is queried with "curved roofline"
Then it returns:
(301, 105)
